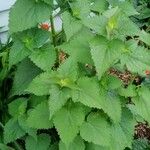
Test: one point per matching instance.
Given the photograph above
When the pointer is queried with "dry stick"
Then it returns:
(18, 147)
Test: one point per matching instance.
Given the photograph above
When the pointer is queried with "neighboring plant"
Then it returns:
(141, 144)
(5, 79)
(143, 20)
(63, 94)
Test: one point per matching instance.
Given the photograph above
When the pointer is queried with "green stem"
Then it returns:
(54, 36)
(53, 30)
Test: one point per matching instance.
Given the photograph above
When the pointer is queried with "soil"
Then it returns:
(142, 130)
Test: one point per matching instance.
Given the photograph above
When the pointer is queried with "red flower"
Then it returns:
(147, 72)
(45, 26)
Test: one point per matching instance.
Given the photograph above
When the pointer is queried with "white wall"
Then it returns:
(4, 13)
(6, 4)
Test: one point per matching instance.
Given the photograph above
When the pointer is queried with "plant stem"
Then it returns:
(54, 36)
(53, 30)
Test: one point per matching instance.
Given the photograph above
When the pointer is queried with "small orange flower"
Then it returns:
(45, 26)
(147, 72)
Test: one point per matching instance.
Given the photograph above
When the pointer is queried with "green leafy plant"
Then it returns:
(64, 95)
(143, 20)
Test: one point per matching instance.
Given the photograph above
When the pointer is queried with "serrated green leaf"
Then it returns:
(22, 120)
(144, 13)
(136, 59)
(128, 125)
(86, 70)
(25, 73)
(123, 131)
(78, 48)
(41, 84)
(91, 146)
(39, 117)
(100, 6)
(120, 25)
(88, 92)
(39, 36)
(44, 57)
(26, 14)
(67, 122)
(140, 144)
(130, 91)
(32, 38)
(69, 69)
(127, 8)
(58, 98)
(71, 25)
(96, 23)
(110, 100)
(118, 133)
(111, 82)
(35, 100)
(77, 144)
(96, 130)
(145, 37)
(24, 44)
(111, 12)
(110, 103)
(80, 8)
(114, 82)
(142, 104)
(105, 53)
(42, 142)
(17, 107)
(17, 53)
(126, 27)
(12, 131)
